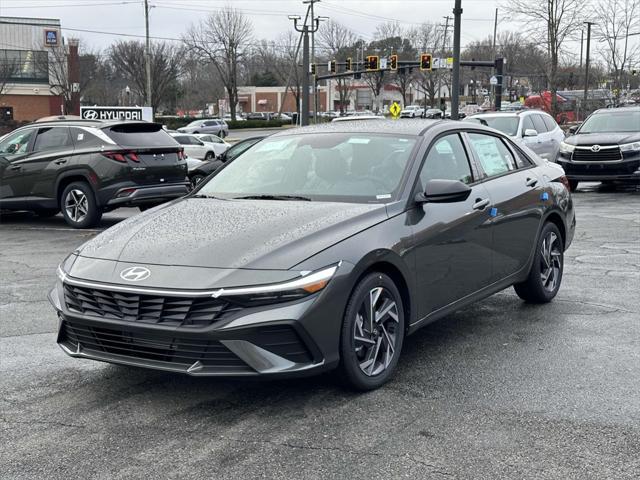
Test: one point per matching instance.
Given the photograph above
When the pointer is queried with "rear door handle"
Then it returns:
(531, 182)
(481, 204)
(60, 162)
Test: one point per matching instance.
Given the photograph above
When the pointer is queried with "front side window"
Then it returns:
(349, 167)
(538, 123)
(494, 156)
(527, 124)
(446, 160)
(17, 143)
(52, 138)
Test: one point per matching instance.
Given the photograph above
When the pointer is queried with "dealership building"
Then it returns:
(34, 63)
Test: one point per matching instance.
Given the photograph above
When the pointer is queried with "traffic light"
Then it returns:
(312, 68)
(332, 66)
(425, 61)
(393, 62)
(372, 62)
(347, 64)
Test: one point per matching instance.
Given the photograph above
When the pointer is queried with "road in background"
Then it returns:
(501, 389)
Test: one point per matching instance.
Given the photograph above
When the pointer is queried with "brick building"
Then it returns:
(28, 48)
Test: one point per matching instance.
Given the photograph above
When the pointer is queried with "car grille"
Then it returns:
(151, 346)
(605, 154)
(154, 309)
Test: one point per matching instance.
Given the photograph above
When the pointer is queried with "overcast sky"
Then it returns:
(170, 18)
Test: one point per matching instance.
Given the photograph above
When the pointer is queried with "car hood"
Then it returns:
(602, 138)
(251, 234)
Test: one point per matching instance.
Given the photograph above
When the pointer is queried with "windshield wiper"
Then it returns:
(203, 195)
(273, 197)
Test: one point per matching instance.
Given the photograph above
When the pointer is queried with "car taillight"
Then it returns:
(565, 181)
(115, 156)
(133, 156)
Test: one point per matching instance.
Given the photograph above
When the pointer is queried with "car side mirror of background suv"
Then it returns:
(444, 191)
(530, 132)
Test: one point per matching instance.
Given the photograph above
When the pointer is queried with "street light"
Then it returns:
(127, 90)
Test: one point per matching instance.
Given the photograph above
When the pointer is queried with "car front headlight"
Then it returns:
(294, 289)
(630, 147)
(65, 266)
(566, 148)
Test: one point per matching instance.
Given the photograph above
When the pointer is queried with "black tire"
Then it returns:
(87, 216)
(222, 134)
(47, 212)
(354, 353)
(536, 288)
(196, 179)
(195, 133)
(209, 156)
(573, 185)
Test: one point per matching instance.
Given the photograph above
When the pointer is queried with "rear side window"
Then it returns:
(549, 122)
(186, 140)
(494, 156)
(52, 138)
(539, 123)
(446, 160)
(140, 135)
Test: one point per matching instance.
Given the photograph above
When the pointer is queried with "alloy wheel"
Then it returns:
(550, 261)
(76, 205)
(375, 331)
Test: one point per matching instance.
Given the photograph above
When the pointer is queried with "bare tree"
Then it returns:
(340, 43)
(426, 39)
(167, 62)
(8, 68)
(551, 22)
(221, 39)
(616, 20)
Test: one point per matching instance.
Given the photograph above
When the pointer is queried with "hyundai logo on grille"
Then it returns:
(135, 274)
(595, 148)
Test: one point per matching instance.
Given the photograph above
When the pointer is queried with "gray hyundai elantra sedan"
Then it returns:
(320, 248)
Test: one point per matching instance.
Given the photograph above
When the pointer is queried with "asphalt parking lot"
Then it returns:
(498, 390)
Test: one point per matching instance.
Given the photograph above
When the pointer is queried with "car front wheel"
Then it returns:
(209, 156)
(372, 333)
(573, 185)
(79, 206)
(545, 276)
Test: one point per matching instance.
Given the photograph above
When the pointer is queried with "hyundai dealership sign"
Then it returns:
(117, 113)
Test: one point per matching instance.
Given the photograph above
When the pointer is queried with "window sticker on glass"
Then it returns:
(382, 197)
(490, 156)
(273, 146)
(361, 141)
(443, 146)
(80, 137)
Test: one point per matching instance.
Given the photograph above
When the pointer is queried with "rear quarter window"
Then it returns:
(140, 135)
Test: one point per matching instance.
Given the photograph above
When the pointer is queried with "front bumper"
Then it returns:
(289, 339)
(627, 169)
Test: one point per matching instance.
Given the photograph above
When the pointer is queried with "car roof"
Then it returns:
(400, 127)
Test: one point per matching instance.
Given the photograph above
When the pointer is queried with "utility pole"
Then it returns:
(455, 90)
(581, 47)
(494, 54)
(305, 30)
(313, 56)
(147, 53)
(444, 49)
(586, 64)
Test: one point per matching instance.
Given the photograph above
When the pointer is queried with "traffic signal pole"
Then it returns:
(304, 119)
(455, 77)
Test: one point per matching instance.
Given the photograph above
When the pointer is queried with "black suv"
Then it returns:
(606, 148)
(85, 168)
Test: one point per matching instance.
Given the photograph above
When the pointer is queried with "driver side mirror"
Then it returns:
(3, 160)
(444, 191)
(530, 132)
(574, 128)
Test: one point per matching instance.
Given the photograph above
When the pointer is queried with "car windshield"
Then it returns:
(507, 125)
(347, 167)
(612, 122)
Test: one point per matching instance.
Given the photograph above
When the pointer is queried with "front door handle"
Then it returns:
(481, 204)
(531, 182)
(15, 167)
(61, 161)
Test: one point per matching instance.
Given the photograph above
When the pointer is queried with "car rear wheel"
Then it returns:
(196, 179)
(79, 206)
(209, 156)
(573, 185)
(372, 333)
(545, 276)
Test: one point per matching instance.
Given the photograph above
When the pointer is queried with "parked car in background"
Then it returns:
(321, 248)
(606, 147)
(218, 144)
(535, 128)
(239, 118)
(212, 125)
(258, 116)
(197, 174)
(433, 113)
(283, 117)
(194, 147)
(354, 118)
(84, 168)
(412, 111)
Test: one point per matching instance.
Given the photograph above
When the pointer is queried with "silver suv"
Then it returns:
(535, 128)
(212, 125)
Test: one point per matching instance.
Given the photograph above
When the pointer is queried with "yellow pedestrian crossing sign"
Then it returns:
(395, 110)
